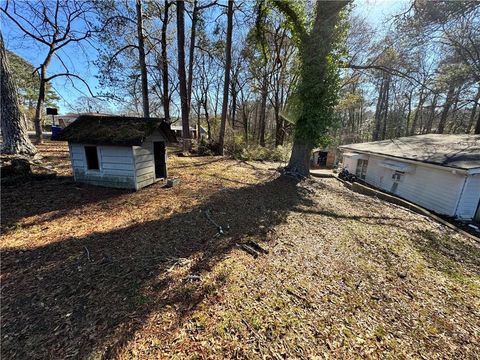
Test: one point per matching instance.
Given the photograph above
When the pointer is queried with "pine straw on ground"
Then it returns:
(99, 273)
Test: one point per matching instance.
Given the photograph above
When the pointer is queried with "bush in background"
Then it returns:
(259, 153)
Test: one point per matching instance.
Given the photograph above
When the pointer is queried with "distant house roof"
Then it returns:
(457, 151)
(114, 130)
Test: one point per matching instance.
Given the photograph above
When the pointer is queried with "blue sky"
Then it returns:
(79, 59)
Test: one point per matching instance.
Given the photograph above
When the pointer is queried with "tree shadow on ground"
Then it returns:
(36, 198)
(90, 295)
(447, 253)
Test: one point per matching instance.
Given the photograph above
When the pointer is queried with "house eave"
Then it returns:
(412, 161)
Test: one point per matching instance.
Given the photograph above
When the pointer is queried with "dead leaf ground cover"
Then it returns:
(95, 273)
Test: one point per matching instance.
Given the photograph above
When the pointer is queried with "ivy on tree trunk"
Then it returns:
(316, 95)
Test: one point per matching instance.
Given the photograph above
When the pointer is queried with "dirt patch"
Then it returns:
(90, 272)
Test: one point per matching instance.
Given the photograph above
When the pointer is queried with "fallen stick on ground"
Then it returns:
(88, 253)
(193, 277)
(249, 250)
(256, 247)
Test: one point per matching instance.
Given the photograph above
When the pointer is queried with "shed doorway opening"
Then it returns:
(159, 159)
(322, 159)
(92, 157)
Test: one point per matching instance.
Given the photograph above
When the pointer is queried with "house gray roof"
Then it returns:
(114, 130)
(457, 151)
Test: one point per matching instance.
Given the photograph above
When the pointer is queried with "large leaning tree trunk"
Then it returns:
(13, 123)
(317, 91)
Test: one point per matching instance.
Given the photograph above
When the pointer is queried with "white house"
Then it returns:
(438, 172)
(115, 151)
(178, 130)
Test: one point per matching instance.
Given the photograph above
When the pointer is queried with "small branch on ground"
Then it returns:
(220, 230)
(249, 250)
(88, 253)
(256, 247)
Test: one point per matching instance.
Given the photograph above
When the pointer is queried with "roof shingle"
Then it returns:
(458, 151)
(114, 130)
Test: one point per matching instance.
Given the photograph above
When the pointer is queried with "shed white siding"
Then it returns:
(145, 162)
(470, 198)
(116, 166)
(435, 188)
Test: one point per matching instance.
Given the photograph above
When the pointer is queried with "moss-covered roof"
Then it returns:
(114, 130)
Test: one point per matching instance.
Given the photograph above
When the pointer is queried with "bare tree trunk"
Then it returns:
(385, 114)
(13, 123)
(198, 120)
(378, 111)
(234, 104)
(193, 34)
(421, 100)
(166, 96)
(207, 117)
(446, 108)
(279, 133)
(245, 125)
(263, 109)
(431, 116)
(141, 59)
(38, 110)
(477, 127)
(226, 85)
(409, 113)
(181, 68)
(474, 109)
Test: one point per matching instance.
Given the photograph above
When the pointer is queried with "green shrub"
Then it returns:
(259, 153)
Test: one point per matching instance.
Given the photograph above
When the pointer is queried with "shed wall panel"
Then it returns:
(116, 166)
(145, 162)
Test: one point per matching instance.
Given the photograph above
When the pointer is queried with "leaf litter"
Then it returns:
(98, 273)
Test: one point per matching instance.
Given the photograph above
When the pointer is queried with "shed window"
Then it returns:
(92, 157)
(361, 171)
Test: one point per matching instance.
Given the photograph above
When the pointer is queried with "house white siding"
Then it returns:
(470, 198)
(435, 188)
(350, 164)
(116, 166)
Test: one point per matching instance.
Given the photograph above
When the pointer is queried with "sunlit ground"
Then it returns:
(91, 272)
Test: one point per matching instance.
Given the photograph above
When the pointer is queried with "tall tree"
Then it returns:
(316, 93)
(27, 83)
(226, 84)
(13, 124)
(181, 68)
(141, 59)
(164, 62)
(54, 25)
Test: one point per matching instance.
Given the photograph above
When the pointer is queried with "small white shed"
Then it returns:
(438, 172)
(116, 151)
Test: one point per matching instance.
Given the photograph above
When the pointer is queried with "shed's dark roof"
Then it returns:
(114, 130)
(458, 151)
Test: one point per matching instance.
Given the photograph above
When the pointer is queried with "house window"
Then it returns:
(361, 171)
(92, 157)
